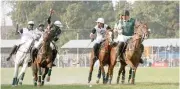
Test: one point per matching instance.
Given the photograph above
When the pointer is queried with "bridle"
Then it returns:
(140, 36)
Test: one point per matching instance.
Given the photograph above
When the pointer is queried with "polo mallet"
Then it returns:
(88, 44)
(86, 47)
(17, 27)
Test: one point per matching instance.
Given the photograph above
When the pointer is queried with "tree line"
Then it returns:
(162, 17)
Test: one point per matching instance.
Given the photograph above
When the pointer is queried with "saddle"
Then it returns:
(123, 49)
(102, 44)
(125, 45)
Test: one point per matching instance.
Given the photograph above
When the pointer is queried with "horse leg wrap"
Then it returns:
(133, 74)
(39, 78)
(49, 72)
(54, 54)
(123, 77)
(129, 77)
(130, 71)
(22, 76)
(14, 81)
(42, 82)
(118, 79)
(89, 78)
(104, 77)
(107, 77)
(110, 79)
(35, 83)
(99, 74)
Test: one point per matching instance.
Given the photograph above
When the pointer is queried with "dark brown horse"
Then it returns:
(104, 57)
(43, 60)
(133, 52)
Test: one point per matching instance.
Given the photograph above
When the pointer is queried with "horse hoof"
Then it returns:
(128, 82)
(132, 83)
(14, 85)
(117, 82)
(104, 82)
(42, 83)
(20, 83)
(35, 83)
(48, 79)
(97, 81)
(122, 82)
(39, 84)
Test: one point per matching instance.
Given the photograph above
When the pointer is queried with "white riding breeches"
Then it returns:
(122, 38)
(99, 39)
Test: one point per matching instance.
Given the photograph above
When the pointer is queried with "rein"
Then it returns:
(105, 44)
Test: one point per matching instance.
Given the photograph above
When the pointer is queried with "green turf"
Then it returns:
(76, 78)
(100, 86)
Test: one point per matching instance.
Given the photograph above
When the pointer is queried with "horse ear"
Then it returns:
(137, 23)
(146, 24)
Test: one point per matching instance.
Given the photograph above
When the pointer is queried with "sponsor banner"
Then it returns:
(159, 64)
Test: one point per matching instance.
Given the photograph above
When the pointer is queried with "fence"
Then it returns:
(70, 60)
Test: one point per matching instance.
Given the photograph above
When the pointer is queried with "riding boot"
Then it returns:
(54, 52)
(96, 49)
(120, 50)
(113, 42)
(142, 50)
(15, 47)
(34, 53)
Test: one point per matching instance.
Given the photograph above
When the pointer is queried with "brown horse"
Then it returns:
(133, 52)
(113, 57)
(104, 57)
(43, 60)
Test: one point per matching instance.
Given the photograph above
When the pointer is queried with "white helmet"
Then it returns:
(58, 23)
(31, 22)
(100, 20)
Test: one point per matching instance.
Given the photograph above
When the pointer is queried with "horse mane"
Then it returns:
(139, 23)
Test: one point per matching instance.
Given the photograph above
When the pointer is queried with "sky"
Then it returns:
(4, 11)
(7, 9)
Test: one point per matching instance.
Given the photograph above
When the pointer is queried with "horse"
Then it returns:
(43, 60)
(104, 57)
(133, 52)
(113, 57)
(22, 57)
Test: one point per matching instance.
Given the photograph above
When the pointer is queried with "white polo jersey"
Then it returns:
(100, 33)
(27, 35)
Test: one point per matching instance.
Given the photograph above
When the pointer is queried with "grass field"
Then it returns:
(76, 78)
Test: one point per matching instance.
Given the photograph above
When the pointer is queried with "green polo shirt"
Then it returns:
(128, 27)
